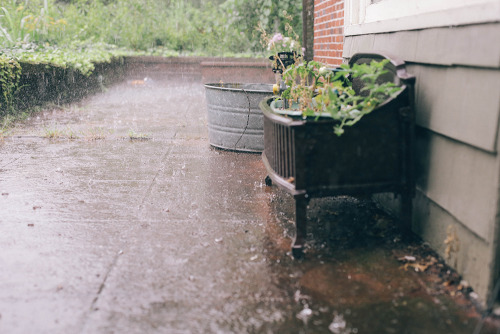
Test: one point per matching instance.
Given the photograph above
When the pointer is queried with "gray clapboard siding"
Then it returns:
(461, 179)
(459, 102)
(455, 101)
(472, 45)
(473, 256)
(354, 44)
(462, 103)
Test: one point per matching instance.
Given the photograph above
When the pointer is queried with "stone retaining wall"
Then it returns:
(42, 83)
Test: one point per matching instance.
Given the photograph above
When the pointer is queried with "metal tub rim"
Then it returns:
(238, 87)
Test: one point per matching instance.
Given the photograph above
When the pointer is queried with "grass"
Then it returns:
(8, 121)
(133, 135)
(91, 134)
(57, 133)
(53, 133)
(97, 133)
(3, 134)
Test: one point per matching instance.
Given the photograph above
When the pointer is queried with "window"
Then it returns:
(373, 16)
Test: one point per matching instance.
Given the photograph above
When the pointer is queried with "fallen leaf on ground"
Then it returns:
(416, 266)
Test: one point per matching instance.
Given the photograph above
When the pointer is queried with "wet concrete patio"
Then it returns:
(118, 217)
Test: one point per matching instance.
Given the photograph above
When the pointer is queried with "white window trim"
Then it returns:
(363, 17)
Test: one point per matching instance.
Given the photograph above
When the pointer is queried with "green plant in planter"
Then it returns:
(321, 92)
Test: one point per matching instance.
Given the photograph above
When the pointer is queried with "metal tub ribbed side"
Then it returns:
(235, 121)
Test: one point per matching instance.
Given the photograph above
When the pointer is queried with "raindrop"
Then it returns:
(464, 283)
(338, 324)
(299, 297)
(305, 314)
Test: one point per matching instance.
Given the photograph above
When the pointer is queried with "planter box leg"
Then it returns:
(301, 202)
(268, 181)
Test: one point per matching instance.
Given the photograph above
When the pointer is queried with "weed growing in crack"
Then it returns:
(53, 133)
(56, 133)
(133, 135)
(95, 134)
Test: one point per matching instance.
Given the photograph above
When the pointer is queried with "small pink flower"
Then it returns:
(277, 37)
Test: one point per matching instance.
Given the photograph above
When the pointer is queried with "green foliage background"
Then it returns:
(204, 27)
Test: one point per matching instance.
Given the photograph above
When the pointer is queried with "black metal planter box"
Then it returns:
(308, 160)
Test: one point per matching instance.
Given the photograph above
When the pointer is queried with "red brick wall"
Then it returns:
(328, 31)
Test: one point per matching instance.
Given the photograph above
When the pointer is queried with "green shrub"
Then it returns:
(186, 26)
(10, 74)
(33, 21)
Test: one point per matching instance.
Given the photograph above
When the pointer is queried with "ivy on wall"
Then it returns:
(10, 75)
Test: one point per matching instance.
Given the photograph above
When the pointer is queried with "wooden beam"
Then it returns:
(308, 28)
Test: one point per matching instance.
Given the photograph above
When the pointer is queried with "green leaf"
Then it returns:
(338, 130)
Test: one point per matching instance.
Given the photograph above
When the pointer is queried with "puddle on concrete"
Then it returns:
(353, 279)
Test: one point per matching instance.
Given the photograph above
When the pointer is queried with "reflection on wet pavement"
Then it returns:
(157, 232)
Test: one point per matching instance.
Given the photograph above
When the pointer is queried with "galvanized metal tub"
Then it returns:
(235, 121)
